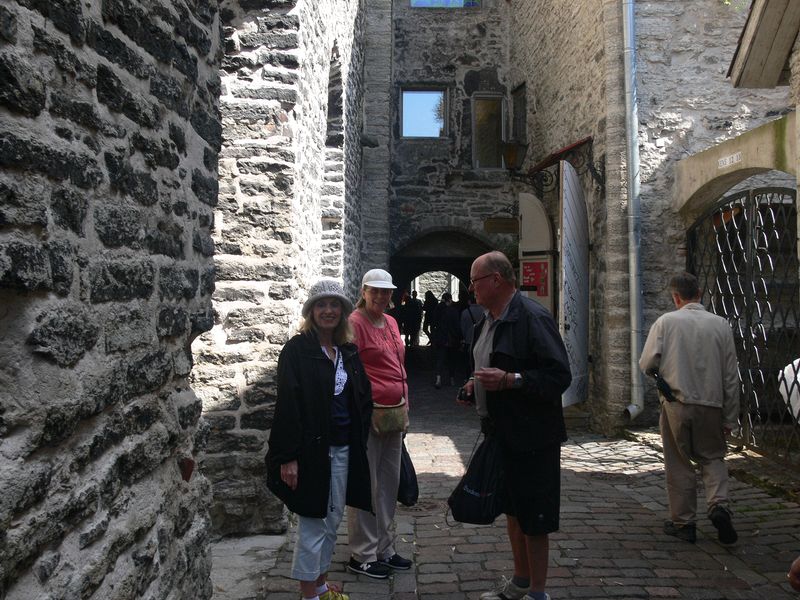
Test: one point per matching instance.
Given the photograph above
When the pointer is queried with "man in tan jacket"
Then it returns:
(693, 352)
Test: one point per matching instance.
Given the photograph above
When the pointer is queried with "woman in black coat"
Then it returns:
(317, 458)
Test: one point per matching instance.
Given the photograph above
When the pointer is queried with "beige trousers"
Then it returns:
(693, 433)
(372, 535)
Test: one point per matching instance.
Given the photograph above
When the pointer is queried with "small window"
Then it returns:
(424, 113)
(487, 132)
(445, 3)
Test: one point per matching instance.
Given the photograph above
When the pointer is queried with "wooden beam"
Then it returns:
(766, 43)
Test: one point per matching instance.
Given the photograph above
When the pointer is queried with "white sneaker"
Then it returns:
(505, 591)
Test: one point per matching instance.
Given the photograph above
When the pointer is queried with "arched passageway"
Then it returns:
(441, 250)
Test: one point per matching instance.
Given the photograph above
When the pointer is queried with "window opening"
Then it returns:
(487, 132)
(423, 113)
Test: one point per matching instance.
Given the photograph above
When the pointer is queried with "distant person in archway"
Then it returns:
(413, 320)
(429, 306)
(372, 539)
(521, 370)
(446, 338)
(317, 458)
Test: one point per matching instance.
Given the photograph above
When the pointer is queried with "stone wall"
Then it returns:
(574, 78)
(686, 104)
(289, 212)
(433, 186)
(109, 135)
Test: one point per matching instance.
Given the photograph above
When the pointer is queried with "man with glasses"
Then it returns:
(520, 371)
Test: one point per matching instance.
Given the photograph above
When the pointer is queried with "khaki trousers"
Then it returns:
(372, 536)
(693, 433)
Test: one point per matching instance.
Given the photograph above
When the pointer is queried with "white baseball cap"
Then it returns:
(378, 278)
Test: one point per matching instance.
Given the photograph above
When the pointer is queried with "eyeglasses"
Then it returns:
(472, 281)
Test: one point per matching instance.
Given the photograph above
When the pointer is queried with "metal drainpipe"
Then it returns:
(634, 215)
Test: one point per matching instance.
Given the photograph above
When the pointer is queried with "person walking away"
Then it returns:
(317, 457)
(520, 371)
(372, 540)
(429, 306)
(693, 352)
(414, 320)
(446, 338)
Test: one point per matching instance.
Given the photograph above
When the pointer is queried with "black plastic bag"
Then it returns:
(477, 498)
(408, 490)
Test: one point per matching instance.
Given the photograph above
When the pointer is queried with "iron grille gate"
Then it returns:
(744, 252)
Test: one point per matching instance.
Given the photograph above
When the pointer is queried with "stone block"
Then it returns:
(245, 335)
(64, 334)
(62, 263)
(66, 60)
(172, 321)
(29, 155)
(202, 321)
(202, 242)
(207, 127)
(166, 238)
(178, 137)
(219, 397)
(22, 208)
(142, 29)
(127, 329)
(121, 281)
(8, 25)
(124, 179)
(156, 153)
(177, 282)
(219, 423)
(23, 90)
(118, 225)
(205, 188)
(112, 92)
(207, 279)
(226, 442)
(148, 372)
(260, 419)
(24, 266)
(69, 209)
(115, 50)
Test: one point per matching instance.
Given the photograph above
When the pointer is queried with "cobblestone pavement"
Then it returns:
(610, 544)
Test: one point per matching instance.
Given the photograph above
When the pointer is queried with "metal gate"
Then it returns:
(744, 252)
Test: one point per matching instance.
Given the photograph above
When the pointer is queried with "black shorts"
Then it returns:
(533, 488)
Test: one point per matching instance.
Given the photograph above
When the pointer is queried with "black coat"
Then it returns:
(527, 342)
(301, 427)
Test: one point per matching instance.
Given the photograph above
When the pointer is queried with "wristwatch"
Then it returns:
(517, 380)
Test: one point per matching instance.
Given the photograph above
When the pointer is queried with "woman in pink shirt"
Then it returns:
(382, 353)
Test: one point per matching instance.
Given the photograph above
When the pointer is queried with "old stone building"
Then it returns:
(175, 174)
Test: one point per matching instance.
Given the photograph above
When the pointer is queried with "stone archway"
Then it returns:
(703, 178)
(448, 250)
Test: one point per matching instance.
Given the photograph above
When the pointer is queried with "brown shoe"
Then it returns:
(687, 533)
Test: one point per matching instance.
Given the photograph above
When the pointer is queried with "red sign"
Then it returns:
(535, 276)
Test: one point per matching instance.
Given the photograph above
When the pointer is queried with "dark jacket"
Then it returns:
(527, 342)
(301, 427)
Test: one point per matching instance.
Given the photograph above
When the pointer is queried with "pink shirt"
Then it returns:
(383, 353)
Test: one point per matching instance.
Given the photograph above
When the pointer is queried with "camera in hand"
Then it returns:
(463, 396)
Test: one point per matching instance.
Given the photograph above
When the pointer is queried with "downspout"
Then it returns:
(634, 214)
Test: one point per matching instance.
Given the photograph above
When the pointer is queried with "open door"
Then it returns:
(573, 314)
(535, 252)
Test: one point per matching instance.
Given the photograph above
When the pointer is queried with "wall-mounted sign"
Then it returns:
(501, 225)
(727, 161)
(535, 276)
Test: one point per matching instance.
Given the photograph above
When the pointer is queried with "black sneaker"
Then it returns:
(396, 562)
(721, 519)
(687, 533)
(376, 570)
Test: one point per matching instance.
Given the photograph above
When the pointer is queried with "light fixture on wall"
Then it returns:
(513, 154)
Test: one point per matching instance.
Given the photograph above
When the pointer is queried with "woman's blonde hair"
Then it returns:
(343, 333)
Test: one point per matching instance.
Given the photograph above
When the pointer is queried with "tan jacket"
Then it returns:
(694, 352)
